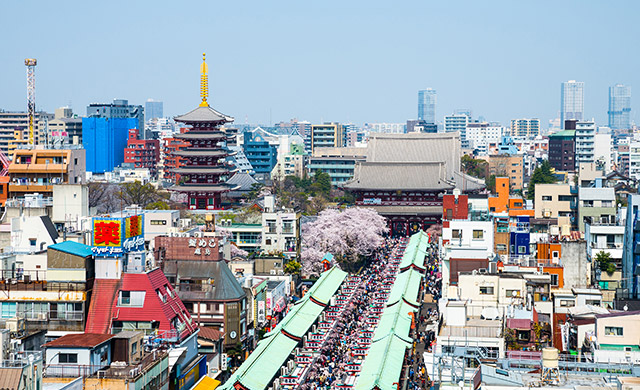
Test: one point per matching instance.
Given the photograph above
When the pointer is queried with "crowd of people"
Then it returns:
(337, 350)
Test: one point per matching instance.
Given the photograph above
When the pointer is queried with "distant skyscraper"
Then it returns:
(458, 123)
(427, 105)
(619, 107)
(120, 108)
(152, 110)
(571, 101)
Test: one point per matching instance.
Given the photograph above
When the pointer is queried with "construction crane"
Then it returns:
(31, 94)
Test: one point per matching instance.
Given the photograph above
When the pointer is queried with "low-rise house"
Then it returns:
(76, 355)
(617, 337)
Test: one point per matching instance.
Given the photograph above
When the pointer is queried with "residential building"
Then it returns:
(483, 136)
(562, 150)
(10, 121)
(395, 128)
(465, 246)
(339, 163)
(153, 110)
(508, 166)
(281, 233)
(618, 337)
(619, 107)
(630, 255)
(70, 206)
(555, 201)
(171, 161)
(607, 238)
(38, 170)
(603, 152)
(142, 153)
(585, 141)
(65, 128)
(246, 236)
(328, 135)
(571, 101)
(105, 140)
(261, 151)
(528, 128)
(634, 160)
(596, 205)
(120, 108)
(458, 123)
(427, 105)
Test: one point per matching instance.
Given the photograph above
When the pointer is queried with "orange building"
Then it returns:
(499, 203)
(4, 190)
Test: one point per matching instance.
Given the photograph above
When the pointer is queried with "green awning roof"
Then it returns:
(406, 287)
(416, 251)
(273, 351)
(383, 365)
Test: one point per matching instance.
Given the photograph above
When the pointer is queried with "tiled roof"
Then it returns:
(210, 334)
(80, 340)
(73, 248)
(400, 176)
(225, 287)
(203, 114)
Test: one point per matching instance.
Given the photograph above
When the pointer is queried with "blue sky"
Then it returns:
(357, 61)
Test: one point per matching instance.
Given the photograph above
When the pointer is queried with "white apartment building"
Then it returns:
(457, 123)
(585, 141)
(527, 128)
(481, 135)
(634, 160)
(395, 128)
(281, 233)
(603, 151)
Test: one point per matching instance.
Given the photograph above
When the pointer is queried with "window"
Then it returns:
(546, 197)
(522, 249)
(555, 254)
(486, 290)
(68, 358)
(554, 280)
(131, 298)
(501, 247)
(162, 297)
(512, 293)
(478, 234)
(567, 303)
(134, 347)
(565, 198)
(8, 309)
(593, 302)
(613, 331)
(157, 222)
(456, 233)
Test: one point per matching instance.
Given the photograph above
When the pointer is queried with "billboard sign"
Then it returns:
(117, 236)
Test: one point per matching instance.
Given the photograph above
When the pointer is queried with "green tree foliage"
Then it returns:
(158, 205)
(139, 194)
(474, 167)
(309, 194)
(292, 267)
(543, 174)
(605, 262)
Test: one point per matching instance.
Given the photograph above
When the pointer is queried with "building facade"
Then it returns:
(529, 128)
(142, 153)
(458, 123)
(619, 107)
(104, 140)
(120, 108)
(571, 101)
(562, 154)
(585, 142)
(328, 135)
(427, 105)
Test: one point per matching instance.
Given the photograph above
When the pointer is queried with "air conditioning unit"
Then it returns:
(272, 272)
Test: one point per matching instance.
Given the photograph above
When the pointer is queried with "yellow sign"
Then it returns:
(107, 232)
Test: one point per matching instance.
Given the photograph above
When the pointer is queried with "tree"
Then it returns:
(349, 235)
(543, 174)
(474, 167)
(138, 194)
(158, 205)
(605, 262)
(292, 267)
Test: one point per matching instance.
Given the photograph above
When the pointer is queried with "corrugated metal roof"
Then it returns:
(225, 286)
(73, 248)
(81, 340)
(10, 378)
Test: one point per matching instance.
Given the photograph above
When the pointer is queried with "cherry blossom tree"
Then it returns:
(235, 251)
(349, 235)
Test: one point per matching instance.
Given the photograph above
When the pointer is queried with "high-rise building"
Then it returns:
(11, 122)
(120, 108)
(528, 128)
(458, 123)
(619, 107)
(105, 140)
(571, 101)
(427, 105)
(152, 109)
(328, 135)
(562, 150)
(585, 142)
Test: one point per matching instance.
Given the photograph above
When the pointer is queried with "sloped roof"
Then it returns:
(203, 114)
(80, 340)
(243, 181)
(383, 365)
(400, 176)
(10, 378)
(73, 248)
(411, 147)
(225, 286)
(210, 333)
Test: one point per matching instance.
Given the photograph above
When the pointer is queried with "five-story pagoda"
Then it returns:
(203, 177)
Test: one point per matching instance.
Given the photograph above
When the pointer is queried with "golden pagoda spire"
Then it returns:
(204, 82)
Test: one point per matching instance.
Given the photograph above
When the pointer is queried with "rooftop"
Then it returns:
(81, 340)
(73, 248)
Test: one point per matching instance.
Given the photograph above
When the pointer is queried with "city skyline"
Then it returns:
(264, 74)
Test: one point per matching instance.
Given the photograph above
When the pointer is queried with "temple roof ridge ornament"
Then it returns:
(204, 81)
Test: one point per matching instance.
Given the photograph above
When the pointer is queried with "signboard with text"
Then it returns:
(188, 248)
(117, 236)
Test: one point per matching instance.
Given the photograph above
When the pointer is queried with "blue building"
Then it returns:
(619, 107)
(104, 140)
(519, 238)
(427, 105)
(631, 250)
(261, 154)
